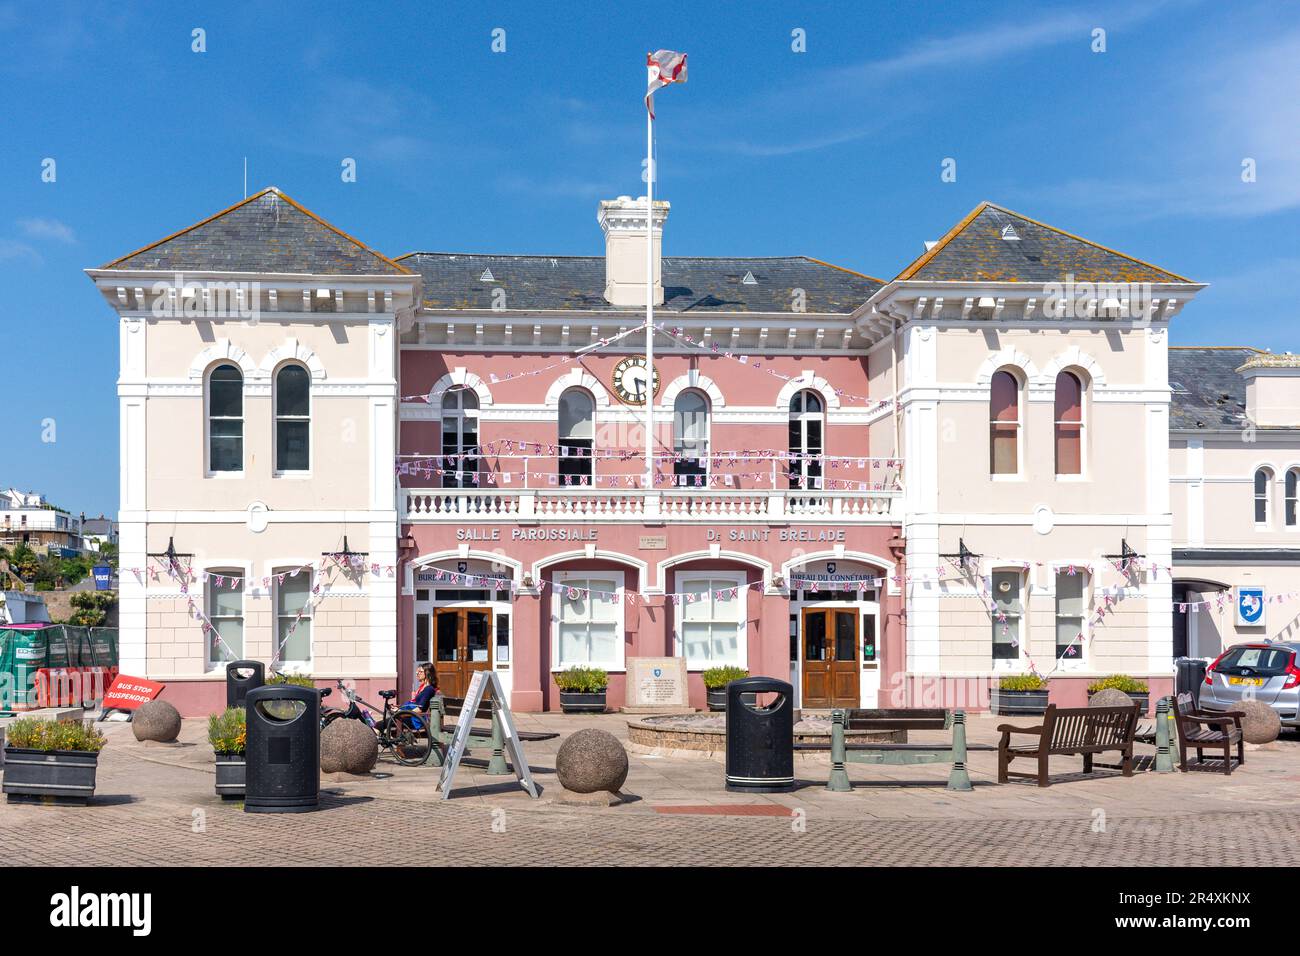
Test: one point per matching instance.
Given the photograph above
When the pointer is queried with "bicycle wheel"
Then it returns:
(410, 746)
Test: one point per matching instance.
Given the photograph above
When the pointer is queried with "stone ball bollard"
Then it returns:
(1261, 725)
(1110, 697)
(348, 746)
(156, 720)
(591, 761)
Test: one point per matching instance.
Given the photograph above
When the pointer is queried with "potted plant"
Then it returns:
(1136, 689)
(228, 734)
(1019, 694)
(53, 760)
(582, 690)
(716, 680)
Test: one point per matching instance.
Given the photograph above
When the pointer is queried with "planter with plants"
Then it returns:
(582, 690)
(1019, 694)
(716, 680)
(1136, 689)
(228, 734)
(53, 760)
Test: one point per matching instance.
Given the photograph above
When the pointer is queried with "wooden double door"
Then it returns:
(831, 663)
(462, 644)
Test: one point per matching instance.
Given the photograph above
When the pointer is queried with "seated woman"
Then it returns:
(426, 690)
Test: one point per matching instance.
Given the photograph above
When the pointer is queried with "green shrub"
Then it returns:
(297, 680)
(1022, 682)
(227, 731)
(1128, 685)
(716, 678)
(32, 733)
(582, 680)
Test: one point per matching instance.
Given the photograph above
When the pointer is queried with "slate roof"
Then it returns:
(1208, 392)
(691, 284)
(976, 250)
(267, 232)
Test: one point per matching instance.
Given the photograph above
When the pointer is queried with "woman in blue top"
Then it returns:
(424, 693)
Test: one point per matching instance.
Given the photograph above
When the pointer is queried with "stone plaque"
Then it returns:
(653, 542)
(656, 685)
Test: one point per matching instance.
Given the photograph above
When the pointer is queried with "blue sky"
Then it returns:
(834, 153)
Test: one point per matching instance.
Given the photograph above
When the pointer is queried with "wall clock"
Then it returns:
(629, 380)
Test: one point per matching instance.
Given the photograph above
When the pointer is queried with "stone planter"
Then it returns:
(1013, 703)
(230, 776)
(577, 702)
(64, 776)
(1142, 699)
(717, 699)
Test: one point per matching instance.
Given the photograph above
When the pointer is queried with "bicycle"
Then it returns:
(397, 731)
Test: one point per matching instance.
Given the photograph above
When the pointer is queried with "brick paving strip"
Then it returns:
(155, 805)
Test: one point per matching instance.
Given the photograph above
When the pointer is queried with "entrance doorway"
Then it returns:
(831, 665)
(462, 644)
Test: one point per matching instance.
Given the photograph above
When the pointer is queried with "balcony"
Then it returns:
(676, 506)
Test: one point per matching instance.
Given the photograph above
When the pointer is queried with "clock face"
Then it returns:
(630, 378)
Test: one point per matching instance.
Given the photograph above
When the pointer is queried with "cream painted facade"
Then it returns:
(257, 523)
(944, 342)
(1233, 529)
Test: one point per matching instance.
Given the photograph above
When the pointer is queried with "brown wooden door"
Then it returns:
(462, 644)
(830, 658)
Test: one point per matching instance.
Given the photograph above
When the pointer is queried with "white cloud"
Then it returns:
(47, 229)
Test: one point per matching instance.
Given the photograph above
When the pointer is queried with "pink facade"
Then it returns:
(740, 526)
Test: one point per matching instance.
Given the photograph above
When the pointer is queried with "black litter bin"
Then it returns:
(283, 749)
(1189, 677)
(760, 740)
(238, 684)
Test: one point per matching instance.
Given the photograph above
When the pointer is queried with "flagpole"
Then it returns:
(649, 292)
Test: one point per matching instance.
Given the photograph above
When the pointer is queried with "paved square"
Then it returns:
(155, 805)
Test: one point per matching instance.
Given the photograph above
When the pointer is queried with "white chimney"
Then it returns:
(623, 222)
(1272, 389)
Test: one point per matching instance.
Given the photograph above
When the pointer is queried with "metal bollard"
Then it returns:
(1164, 728)
(839, 779)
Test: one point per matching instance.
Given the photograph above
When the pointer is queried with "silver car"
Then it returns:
(1263, 671)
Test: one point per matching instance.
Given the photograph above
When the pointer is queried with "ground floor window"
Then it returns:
(1007, 612)
(1070, 591)
(588, 624)
(225, 609)
(711, 620)
(292, 617)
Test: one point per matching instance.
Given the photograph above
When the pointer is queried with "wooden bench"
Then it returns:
(1203, 730)
(896, 754)
(435, 724)
(1071, 732)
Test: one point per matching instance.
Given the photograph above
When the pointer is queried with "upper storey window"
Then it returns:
(1263, 489)
(1004, 424)
(577, 437)
(1069, 424)
(225, 419)
(807, 426)
(292, 419)
(690, 438)
(459, 438)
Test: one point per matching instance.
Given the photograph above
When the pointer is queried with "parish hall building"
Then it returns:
(888, 491)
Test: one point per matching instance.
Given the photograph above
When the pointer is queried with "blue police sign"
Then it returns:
(1250, 606)
(103, 577)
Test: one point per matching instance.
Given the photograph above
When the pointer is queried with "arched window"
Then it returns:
(292, 419)
(807, 426)
(1004, 424)
(691, 439)
(459, 438)
(577, 437)
(1263, 483)
(1069, 424)
(1292, 480)
(225, 419)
